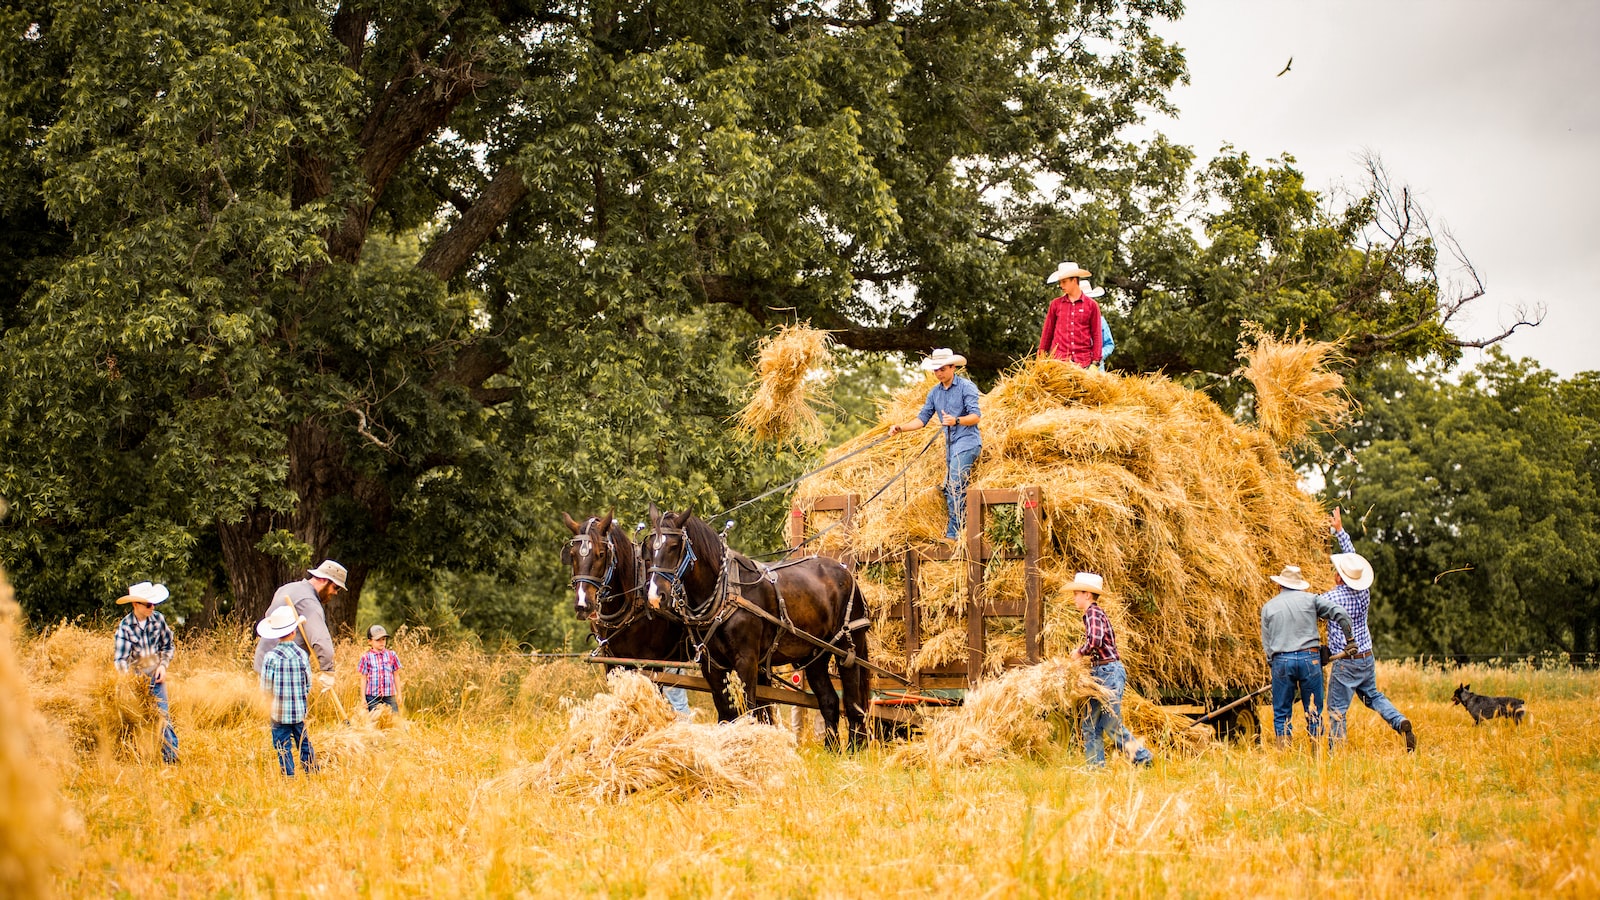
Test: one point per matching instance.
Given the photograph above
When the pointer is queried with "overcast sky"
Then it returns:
(1490, 111)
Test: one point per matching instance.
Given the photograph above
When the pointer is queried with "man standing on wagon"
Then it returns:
(1072, 325)
(954, 400)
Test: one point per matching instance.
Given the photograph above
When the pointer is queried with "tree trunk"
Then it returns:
(317, 474)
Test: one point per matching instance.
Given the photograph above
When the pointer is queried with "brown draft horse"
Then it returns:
(694, 572)
(608, 591)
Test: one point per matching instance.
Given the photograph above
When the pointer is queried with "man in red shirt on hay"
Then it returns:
(1072, 324)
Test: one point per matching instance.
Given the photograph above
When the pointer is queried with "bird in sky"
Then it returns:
(1286, 67)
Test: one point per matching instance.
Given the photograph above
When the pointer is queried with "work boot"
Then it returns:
(1409, 734)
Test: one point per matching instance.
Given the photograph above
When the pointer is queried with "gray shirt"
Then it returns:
(306, 603)
(1289, 621)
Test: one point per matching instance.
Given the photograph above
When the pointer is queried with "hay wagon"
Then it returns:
(896, 709)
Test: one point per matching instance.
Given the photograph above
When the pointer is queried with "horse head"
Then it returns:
(592, 557)
(669, 549)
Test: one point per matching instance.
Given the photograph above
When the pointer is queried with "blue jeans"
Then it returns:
(284, 737)
(955, 488)
(1291, 673)
(677, 697)
(169, 738)
(1101, 718)
(374, 701)
(1358, 677)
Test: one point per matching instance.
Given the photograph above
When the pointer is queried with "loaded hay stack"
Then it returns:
(1149, 483)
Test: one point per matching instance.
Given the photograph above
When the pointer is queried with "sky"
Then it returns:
(1489, 111)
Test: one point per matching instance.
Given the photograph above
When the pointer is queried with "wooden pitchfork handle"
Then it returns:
(318, 665)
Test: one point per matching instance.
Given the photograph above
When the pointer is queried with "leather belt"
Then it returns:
(1362, 655)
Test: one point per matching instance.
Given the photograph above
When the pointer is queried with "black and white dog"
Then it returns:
(1482, 707)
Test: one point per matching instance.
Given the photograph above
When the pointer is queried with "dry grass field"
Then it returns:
(415, 811)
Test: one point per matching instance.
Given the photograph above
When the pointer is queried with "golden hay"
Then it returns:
(346, 740)
(219, 699)
(792, 367)
(1184, 511)
(30, 811)
(1010, 716)
(1295, 390)
(629, 741)
(99, 708)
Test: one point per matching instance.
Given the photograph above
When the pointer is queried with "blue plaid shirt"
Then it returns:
(1353, 602)
(286, 675)
(135, 639)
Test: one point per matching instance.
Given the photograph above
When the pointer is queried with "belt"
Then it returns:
(1362, 655)
(1291, 652)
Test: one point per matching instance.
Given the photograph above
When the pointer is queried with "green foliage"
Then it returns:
(1479, 504)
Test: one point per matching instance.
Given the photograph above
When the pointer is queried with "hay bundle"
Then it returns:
(1013, 715)
(791, 369)
(220, 699)
(629, 741)
(98, 707)
(30, 812)
(1184, 511)
(1295, 389)
(349, 740)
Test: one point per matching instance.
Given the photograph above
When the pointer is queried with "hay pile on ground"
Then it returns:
(629, 741)
(99, 708)
(219, 699)
(1295, 388)
(30, 812)
(791, 369)
(1149, 483)
(1014, 715)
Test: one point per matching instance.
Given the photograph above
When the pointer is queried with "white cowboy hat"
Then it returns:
(943, 357)
(282, 621)
(1354, 569)
(1093, 293)
(146, 592)
(1291, 578)
(1087, 581)
(1067, 270)
(331, 571)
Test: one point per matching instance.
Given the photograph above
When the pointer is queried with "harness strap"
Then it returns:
(762, 614)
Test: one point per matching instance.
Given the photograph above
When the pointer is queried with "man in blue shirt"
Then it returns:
(1356, 675)
(954, 400)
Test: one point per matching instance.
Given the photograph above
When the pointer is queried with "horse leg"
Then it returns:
(748, 667)
(857, 683)
(827, 700)
(764, 712)
(717, 678)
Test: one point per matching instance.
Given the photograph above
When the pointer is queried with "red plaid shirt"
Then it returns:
(1100, 642)
(378, 668)
(1072, 330)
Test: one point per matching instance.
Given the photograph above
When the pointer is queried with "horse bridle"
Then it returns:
(583, 545)
(674, 577)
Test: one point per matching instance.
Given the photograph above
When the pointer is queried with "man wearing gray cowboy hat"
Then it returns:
(1289, 636)
(143, 643)
(1356, 674)
(307, 597)
(954, 400)
(1072, 323)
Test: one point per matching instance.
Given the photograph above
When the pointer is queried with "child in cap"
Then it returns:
(1099, 647)
(286, 675)
(380, 670)
(143, 643)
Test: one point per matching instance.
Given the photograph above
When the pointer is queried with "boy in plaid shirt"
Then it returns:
(286, 675)
(380, 671)
(1105, 665)
(143, 642)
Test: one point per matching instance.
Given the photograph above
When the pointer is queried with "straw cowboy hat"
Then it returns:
(281, 622)
(1354, 569)
(331, 571)
(1093, 293)
(145, 592)
(1067, 270)
(1291, 578)
(943, 357)
(1087, 581)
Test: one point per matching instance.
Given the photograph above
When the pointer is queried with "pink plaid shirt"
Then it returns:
(378, 668)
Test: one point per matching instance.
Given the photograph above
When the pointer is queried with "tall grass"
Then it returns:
(1491, 810)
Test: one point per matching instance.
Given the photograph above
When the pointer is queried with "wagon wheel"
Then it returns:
(1241, 725)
